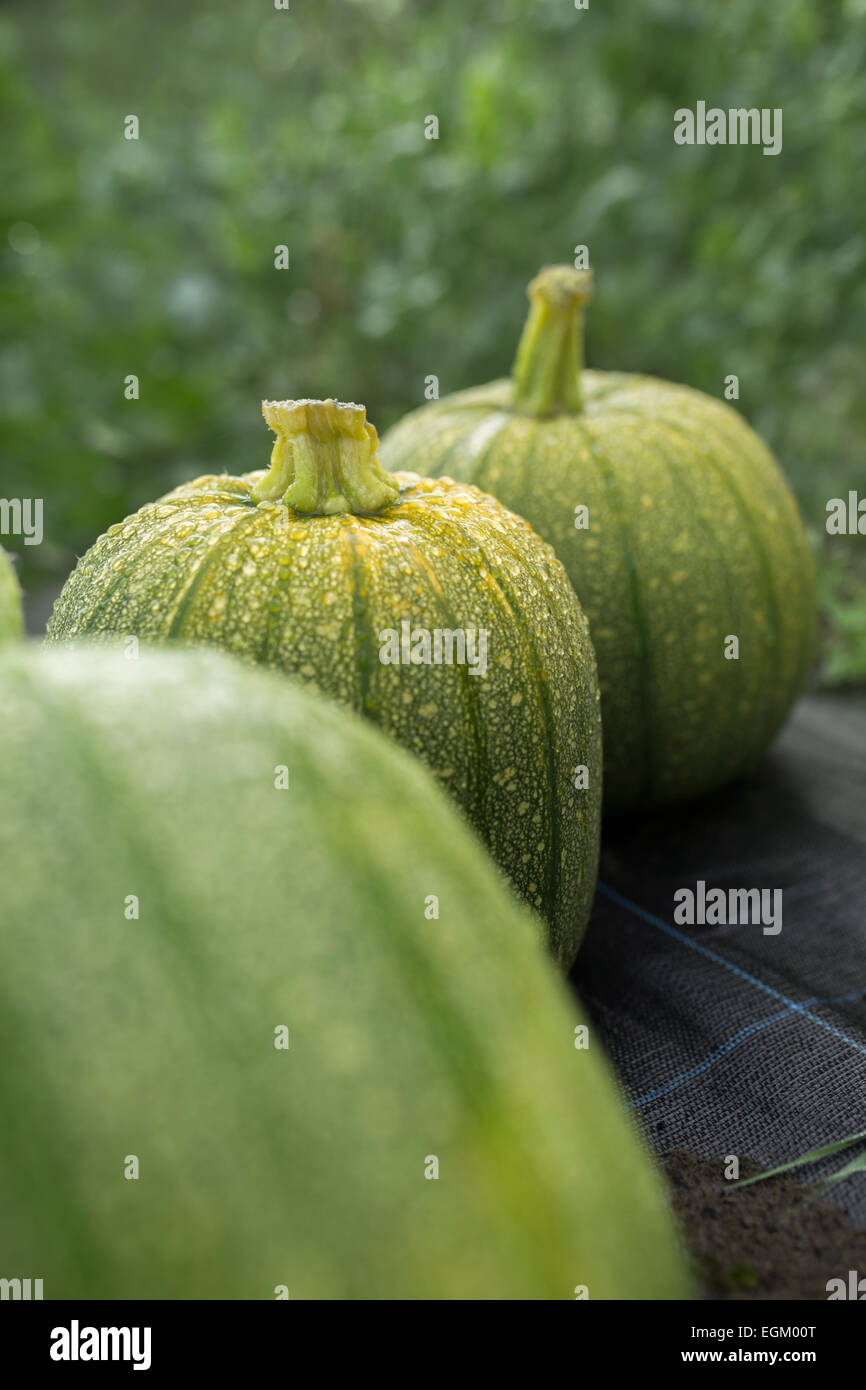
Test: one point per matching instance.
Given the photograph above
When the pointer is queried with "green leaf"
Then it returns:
(812, 1157)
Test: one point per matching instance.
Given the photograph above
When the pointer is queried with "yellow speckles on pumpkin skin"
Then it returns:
(444, 556)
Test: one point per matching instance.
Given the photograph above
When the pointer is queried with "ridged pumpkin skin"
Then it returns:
(693, 536)
(154, 1035)
(11, 616)
(311, 595)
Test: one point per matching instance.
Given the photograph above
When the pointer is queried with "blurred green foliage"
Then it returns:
(410, 256)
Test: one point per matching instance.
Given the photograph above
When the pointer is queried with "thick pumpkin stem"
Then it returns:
(549, 359)
(324, 460)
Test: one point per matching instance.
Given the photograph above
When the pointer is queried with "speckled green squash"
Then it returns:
(11, 617)
(168, 910)
(313, 569)
(692, 538)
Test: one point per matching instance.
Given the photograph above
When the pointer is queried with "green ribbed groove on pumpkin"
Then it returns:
(11, 614)
(260, 910)
(693, 536)
(228, 562)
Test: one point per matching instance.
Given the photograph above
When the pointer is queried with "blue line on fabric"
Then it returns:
(792, 1007)
(730, 1043)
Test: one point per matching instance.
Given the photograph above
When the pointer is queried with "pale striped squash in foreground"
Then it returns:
(167, 909)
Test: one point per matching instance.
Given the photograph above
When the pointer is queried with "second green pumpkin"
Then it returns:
(331, 570)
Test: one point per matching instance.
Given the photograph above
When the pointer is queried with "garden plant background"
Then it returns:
(409, 256)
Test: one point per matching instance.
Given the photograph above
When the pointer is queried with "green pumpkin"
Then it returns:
(171, 907)
(676, 528)
(327, 568)
(11, 616)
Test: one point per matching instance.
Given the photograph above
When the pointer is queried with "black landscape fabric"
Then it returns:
(729, 1040)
